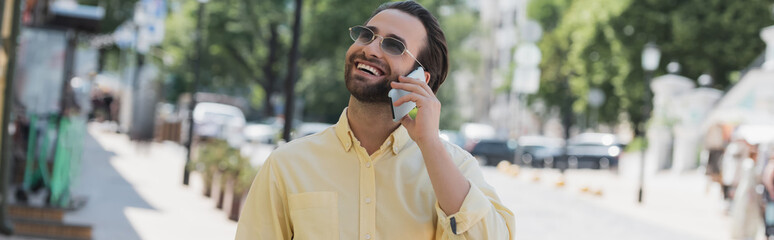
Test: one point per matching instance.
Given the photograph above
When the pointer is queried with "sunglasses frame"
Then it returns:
(381, 43)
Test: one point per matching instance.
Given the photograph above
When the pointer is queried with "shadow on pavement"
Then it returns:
(108, 193)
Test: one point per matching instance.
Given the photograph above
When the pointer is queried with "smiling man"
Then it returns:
(368, 177)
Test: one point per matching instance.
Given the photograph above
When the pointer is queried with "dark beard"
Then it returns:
(371, 93)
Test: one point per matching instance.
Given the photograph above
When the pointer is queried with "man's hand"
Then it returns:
(449, 184)
(424, 128)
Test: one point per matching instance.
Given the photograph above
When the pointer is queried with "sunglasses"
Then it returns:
(389, 45)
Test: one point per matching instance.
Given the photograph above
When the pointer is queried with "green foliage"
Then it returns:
(239, 38)
(217, 155)
(237, 60)
(548, 12)
(598, 44)
(245, 179)
(637, 144)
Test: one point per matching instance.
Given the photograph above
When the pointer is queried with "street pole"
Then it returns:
(290, 82)
(651, 56)
(197, 77)
(646, 112)
(9, 30)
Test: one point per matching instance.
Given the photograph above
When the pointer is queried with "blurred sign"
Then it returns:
(146, 28)
(39, 69)
(528, 54)
(526, 77)
(151, 21)
(70, 14)
(526, 80)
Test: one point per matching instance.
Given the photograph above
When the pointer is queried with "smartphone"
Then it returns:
(400, 111)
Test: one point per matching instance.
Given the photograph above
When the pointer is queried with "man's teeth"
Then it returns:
(369, 69)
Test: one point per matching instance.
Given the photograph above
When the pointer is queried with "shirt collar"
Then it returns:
(396, 140)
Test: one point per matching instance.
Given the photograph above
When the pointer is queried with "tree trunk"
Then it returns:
(268, 70)
(290, 82)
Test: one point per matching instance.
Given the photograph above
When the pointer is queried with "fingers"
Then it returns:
(414, 81)
(409, 87)
(421, 101)
(412, 97)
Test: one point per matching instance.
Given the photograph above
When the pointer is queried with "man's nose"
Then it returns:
(373, 48)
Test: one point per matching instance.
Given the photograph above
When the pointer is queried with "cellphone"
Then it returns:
(394, 94)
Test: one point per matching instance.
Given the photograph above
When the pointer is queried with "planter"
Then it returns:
(208, 175)
(236, 206)
(228, 198)
(207, 190)
(217, 189)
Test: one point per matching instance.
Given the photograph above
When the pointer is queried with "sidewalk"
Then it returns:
(684, 203)
(136, 192)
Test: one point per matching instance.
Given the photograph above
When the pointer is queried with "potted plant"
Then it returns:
(205, 161)
(228, 168)
(241, 186)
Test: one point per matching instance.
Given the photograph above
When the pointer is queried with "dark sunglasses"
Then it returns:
(389, 45)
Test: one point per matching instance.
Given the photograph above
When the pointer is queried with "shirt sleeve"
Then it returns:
(481, 215)
(265, 214)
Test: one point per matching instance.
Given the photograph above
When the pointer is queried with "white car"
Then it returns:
(261, 133)
(215, 120)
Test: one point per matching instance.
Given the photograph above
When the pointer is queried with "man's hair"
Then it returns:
(435, 55)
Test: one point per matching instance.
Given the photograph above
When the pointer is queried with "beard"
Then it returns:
(359, 86)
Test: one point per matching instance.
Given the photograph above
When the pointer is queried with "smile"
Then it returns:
(369, 69)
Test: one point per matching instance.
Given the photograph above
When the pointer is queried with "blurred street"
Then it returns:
(138, 186)
(134, 192)
(675, 207)
(592, 119)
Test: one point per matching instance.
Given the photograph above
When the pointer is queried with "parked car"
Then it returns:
(592, 150)
(491, 151)
(474, 132)
(267, 131)
(220, 121)
(261, 133)
(539, 151)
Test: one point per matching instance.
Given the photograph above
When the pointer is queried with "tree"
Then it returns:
(248, 39)
(244, 46)
(290, 81)
(602, 48)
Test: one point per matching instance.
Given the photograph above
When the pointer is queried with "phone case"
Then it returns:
(394, 94)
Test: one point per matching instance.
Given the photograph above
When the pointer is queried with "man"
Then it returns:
(368, 177)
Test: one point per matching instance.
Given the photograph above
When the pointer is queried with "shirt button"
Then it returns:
(368, 236)
(368, 200)
(368, 164)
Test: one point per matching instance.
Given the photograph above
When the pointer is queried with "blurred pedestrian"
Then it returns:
(735, 153)
(767, 179)
(715, 143)
(369, 177)
(746, 220)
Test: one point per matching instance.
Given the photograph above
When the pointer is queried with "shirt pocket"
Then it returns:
(314, 215)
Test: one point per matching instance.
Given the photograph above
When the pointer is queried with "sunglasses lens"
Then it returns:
(361, 34)
(392, 46)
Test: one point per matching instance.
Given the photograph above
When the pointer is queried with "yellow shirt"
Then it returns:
(325, 186)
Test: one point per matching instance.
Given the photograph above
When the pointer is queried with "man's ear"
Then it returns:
(427, 77)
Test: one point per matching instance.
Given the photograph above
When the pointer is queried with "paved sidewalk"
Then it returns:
(136, 192)
(683, 203)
